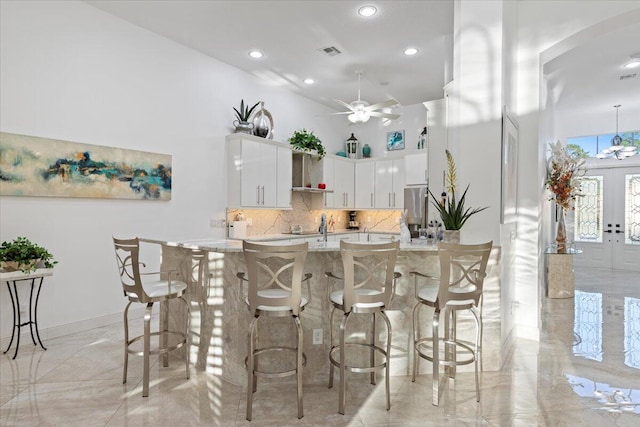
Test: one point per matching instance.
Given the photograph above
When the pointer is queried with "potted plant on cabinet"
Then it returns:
(306, 141)
(21, 254)
(242, 123)
(452, 211)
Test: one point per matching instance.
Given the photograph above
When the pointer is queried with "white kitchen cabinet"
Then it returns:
(416, 168)
(389, 184)
(328, 172)
(259, 172)
(364, 185)
(344, 175)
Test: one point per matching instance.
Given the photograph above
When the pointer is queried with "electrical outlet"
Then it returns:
(218, 223)
(317, 336)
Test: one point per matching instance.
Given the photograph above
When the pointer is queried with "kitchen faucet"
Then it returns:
(323, 227)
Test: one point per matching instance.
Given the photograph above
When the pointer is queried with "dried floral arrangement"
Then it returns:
(564, 170)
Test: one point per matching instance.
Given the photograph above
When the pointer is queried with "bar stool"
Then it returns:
(274, 276)
(462, 272)
(368, 285)
(148, 292)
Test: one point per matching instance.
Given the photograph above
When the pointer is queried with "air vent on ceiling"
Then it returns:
(331, 50)
(628, 76)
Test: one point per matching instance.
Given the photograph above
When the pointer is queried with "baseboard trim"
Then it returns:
(70, 328)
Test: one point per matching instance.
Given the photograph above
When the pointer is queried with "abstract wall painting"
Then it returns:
(395, 140)
(32, 166)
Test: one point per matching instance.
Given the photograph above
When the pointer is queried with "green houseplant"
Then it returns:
(306, 141)
(22, 254)
(452, 211)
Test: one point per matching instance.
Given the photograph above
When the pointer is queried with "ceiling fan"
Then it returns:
(360, 111)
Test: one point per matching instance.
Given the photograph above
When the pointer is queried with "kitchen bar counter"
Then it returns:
(220, 317)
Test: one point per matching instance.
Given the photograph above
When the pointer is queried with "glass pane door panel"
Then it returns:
(632, 209)
(589, 210)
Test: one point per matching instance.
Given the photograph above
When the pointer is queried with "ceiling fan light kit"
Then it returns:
(360, 111)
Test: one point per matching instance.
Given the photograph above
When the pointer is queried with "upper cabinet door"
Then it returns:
(383, 184)
(344, 194)
(283, 181)
(251, 169)
(364, 185)
(415, 167)
(389, 184)
(259, 173)
(328, 172)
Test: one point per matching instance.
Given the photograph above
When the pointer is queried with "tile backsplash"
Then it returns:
(275, 221)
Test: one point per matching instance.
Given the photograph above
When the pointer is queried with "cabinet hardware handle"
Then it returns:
(394, 199)
(389, 199)
(425, 176)
(263, 194)
(258, 195)
(371, 199)
(619, 231)
(607, 231)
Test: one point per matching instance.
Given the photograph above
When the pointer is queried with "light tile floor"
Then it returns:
(584, 372)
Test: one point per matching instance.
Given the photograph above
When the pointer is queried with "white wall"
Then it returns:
(71, 72)
(542, 25)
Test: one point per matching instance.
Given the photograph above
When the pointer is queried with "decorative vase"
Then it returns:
(243, 127)
(451, 236)
(561, 233)
(263, 123)
(366, 151)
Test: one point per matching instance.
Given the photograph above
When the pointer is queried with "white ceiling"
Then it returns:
(586, 80)
(291, 32)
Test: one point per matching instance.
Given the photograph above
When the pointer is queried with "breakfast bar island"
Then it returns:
(220, 318)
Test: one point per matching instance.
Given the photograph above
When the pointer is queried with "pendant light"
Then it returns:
(616, 149)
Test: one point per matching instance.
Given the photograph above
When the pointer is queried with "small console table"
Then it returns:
(560, 275)
(13, 277)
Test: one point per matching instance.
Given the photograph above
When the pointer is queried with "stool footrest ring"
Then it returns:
(359, 369)
(468, 351)
(180, 344)
(280, 374)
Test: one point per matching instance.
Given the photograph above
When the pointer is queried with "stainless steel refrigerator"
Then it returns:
(416, 208)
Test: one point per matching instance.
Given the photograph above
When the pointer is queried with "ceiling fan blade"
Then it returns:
(344, 104)
(344, 112)
(386, 104)
(384, 115)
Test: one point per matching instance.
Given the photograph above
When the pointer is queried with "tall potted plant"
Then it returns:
(452, 211)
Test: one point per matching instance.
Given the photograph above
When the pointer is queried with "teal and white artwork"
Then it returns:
(395, 140)
(32, 166)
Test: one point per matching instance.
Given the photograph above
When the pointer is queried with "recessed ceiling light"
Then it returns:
(633, 64)
(410, 51)
(309, 81)
(256, 54)
(635, 61)
(367, 11)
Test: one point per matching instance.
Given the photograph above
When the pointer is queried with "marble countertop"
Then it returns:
(231, 245)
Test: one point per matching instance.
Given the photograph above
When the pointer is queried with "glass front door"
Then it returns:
(607, 219)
